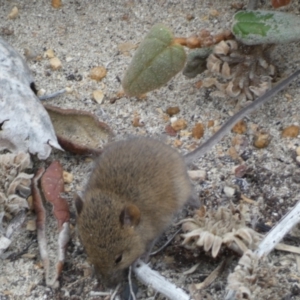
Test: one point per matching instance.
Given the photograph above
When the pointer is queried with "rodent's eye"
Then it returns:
(118, 258)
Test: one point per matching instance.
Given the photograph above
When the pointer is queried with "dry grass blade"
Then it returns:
(212, 276)
(40, 219)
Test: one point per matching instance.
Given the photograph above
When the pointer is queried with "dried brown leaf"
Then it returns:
(52, 184)
(79, 131)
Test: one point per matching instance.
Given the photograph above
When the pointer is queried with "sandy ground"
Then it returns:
(85, 34)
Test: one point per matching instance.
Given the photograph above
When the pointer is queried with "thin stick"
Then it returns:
(158, 282)
(225, 129)
(53, 95)
(130, 284)
(166, 243)
(276, 234)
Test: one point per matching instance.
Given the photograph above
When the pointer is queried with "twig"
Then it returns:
(53, 95)
(166, 243)
(212, 276)
(225, 129)
(158, 282)
(274, 236)
(130, 284)
(115, 292)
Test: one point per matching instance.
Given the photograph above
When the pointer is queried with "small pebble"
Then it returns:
(240, 127)
(13, 13)
(136, 122)
(30, 54)
(31, 225)
(166, 117)
(68, 59)
(193, 42)
(125, 48)
(291, 131)
(233, 153)
(67, 189)
(98, 73)
(214, 13)
(229, 191)
(240, 171)
(198, 84)
(296, 176)
(261, 140)
(190, 17)
(179, 125)
(56, 3)
(173, 119)
(298, 159)
(69, 90)
(197, 175)
(172, 110)
(68, 177)
(185, 133)
(210, 123)
(170, 131)
(30, 202)
(198, 131)
(6, 31)
(98, 96)
(41, 92)
(298, 151)
(49, 54)
(55, 63)
(177, 143)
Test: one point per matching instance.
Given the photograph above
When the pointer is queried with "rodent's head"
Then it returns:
(109, 234)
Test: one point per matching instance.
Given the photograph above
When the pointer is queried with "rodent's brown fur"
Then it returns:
(134, 191)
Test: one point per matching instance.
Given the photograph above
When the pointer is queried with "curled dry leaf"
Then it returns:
(241, 71)
(79, 132)
(52, 185)
(14, 189)
(226, 226)
(33, 132)
(14, 183)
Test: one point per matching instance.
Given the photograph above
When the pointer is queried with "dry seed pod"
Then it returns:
(225, 70)
(246, 70)
(232, 91)
(222, 48)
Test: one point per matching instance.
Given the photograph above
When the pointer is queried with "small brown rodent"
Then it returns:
(135, 189)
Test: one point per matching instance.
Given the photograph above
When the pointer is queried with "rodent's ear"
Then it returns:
(130, 215)
(78, 203)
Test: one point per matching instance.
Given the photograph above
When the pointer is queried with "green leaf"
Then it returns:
(155, 62)
(265, 27)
